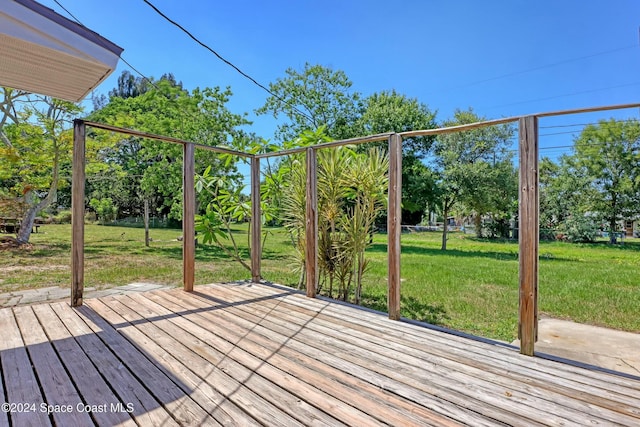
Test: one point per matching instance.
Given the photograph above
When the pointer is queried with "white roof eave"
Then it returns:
(43, 52)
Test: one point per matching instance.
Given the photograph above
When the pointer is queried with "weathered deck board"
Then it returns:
(483, 386)
(91, 386)
(56, 385)
(479, 367)
(338, 386)
(23, 391)
(249, 354)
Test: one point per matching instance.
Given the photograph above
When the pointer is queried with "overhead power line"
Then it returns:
(529, 70)
(229, 63)
(561, 96)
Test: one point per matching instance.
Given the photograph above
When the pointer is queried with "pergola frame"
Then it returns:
(528, 208)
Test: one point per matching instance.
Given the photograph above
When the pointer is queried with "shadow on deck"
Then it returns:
(253, 354)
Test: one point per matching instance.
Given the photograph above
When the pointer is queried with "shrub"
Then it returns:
(63, 217)
(580, 229)
(105, 209)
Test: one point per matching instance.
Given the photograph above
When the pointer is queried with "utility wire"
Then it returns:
(121, 58)
(562, 96)
(229, 63)
(541, 67)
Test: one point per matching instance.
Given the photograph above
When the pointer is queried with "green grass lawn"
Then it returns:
(472, 287)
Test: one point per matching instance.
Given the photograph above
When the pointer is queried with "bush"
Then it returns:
(63, 217)
(90, 217)
(580, 229)
(105, 209)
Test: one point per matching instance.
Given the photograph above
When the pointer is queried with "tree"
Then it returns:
(389, 111)
(40, 142)
(609, 154)
(559, 199)
(465, 160)
(314, 97)
(155, 168)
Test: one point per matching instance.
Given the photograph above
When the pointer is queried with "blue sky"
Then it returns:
(502, 58)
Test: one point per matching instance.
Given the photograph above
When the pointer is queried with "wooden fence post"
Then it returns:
(394, 222)
(528, 216)
(188, 217)
(256, 215)
(311, 229)
(77, 213)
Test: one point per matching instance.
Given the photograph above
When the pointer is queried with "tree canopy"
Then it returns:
(314, 97)
(153, 168)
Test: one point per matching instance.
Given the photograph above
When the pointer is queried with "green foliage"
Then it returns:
(138, 169)
(389, 111)
(105, 209)
(63, 217)
(314, 97)
(475, 170)
(36, 153)
(351, 193)
(609, 155)
(579, 229)
(227, 206)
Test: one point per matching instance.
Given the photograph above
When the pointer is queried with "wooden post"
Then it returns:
(77, 213)
(311, 229)
(528, 217)
(394, 223)
(146, 222)
(256, 219)
(188, 217)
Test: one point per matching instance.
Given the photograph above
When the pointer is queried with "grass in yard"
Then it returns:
(472, 287)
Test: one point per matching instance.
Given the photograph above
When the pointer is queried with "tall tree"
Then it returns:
(314, 97)
(464, 161)
(40, 147)
(389, 111)
(165, 108)
(559, 198)
(609, 153)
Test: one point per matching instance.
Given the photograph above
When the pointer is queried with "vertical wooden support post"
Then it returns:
(394, 220)
(311, 230)
(188, 217)
(77, 213)
(256, 219)
(146, 222)
(528, 216)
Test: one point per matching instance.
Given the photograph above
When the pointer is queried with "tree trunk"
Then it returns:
(478, 223)
(445, 227)
(34, 207)
(612, 233)
(29, 217)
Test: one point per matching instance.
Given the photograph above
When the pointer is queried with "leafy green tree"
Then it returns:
(465, 162)
(314, 97)
(165, 108)
(565, 191)
(609, 154)
(389, 111)
(39, 150)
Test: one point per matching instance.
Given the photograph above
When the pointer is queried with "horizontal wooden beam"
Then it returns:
(460, 128)
(162, 138)
(587, 110)
(331, 144)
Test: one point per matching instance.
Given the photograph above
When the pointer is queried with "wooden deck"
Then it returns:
(259, 355)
